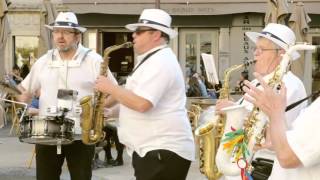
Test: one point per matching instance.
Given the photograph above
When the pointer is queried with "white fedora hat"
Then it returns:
(156, 19)
(280, 34)
(66, 20)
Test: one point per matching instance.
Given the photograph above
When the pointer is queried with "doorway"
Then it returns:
(121, 61)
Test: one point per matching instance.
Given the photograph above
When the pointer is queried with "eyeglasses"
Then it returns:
(141, 31)
(261, 50)
(63, 32)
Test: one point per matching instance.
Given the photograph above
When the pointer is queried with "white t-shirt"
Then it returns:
(303, 140)
(165, 126)
(51, 73)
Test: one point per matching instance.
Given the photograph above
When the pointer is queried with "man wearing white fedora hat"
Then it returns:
(153, 122)
(69, 67)
(271, 44)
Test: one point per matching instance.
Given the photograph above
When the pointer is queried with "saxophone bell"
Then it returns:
(226, 163)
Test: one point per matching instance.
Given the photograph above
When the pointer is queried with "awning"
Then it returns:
(178, 7)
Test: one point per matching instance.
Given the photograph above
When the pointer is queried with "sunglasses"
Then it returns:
(141, 31)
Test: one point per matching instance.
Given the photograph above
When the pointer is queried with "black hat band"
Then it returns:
(272, 35)
(145, 21)
(62, 23)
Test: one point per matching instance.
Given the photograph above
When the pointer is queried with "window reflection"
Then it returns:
(191, 59)
(205, 47)
(205, 43)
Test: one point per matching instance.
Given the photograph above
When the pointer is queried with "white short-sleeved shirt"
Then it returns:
(165, 126)
(50, 73)
(304, 142)
(295, 92)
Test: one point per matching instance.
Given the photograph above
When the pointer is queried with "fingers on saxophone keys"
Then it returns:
(250, 89)
(260, 79)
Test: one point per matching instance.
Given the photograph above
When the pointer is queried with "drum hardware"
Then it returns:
(66, 99)
(59, 143)
(60, 119)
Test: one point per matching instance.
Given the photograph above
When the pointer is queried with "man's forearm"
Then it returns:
(287, 158)
(25, 95)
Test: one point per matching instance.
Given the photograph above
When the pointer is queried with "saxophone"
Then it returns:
(234, 160)
(210, 133)
(92, 107)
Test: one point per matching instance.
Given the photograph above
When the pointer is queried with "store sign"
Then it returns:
(191, 10)
(241, 45)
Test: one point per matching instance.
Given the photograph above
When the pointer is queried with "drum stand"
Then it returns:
(14, 118)
(32, 156)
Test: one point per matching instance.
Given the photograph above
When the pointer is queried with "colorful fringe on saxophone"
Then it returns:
(235, 142)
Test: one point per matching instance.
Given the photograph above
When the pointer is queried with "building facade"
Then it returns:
(215, 27)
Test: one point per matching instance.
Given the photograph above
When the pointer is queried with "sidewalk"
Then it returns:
(15, 156)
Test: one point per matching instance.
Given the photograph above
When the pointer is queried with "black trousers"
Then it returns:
(160, 165)
(112, 133)
(78, 155)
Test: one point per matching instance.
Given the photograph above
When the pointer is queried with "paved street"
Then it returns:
(15, 157)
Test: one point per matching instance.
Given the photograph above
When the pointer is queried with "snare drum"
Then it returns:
(46, 130)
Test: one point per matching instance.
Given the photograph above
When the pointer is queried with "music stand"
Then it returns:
(210, 67)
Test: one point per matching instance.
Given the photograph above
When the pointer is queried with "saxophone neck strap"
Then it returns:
(144, 60)
(293, 105)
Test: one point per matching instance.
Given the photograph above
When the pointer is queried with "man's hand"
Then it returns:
(104, 85)
(223, 103)
(270, 102)
(25, 96)
(33, 111)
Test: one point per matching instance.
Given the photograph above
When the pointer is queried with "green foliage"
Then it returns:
(25, 52)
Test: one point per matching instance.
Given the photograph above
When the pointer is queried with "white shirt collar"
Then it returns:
(56, 61)
(140, 57)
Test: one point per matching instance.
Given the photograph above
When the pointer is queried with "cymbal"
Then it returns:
(9, 88)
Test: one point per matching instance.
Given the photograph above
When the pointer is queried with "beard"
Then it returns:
(68, 48)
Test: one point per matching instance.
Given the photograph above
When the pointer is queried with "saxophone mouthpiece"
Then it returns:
(249, 62)
(128, 45)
